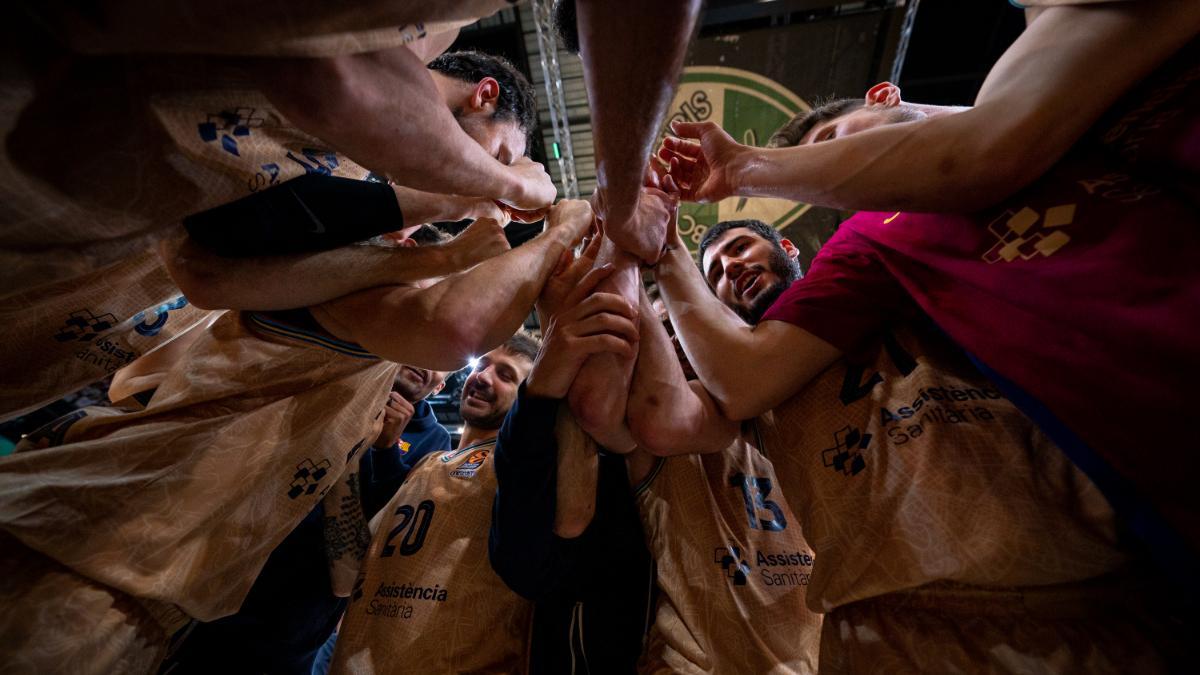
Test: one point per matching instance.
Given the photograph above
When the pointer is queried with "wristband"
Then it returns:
(304, 215)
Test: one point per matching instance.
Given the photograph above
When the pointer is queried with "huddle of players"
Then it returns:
(840, 472)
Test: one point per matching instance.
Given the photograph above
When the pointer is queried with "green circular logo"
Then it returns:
(750, 107)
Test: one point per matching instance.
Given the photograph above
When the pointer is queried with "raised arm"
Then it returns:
(383, 110)
(730, 356)
(441, 327)
(667, 414)
(1069, 66)
(300, 280)
(630, 66)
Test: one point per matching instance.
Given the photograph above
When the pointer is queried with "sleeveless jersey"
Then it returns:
(82, 291)
(427, 600)
(914, 469)
(733, 566)
(183, 502)
(76, 332)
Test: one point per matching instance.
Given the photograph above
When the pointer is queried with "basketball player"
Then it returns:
(922, 489)
(263, 417)
(291, 610)
(427, 600)
(97, 304)
(1039, 99)
(1005, 282)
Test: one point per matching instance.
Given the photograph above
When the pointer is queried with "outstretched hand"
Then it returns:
(699, 159)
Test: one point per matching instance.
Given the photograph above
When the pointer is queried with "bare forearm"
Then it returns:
(666, 414)
(578, 471)
(285, 282)
(383, 110)
(1069, 67)
(461, 316)
(716, 340)
(653, 46)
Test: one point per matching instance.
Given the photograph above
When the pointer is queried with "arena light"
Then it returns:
(472, 362)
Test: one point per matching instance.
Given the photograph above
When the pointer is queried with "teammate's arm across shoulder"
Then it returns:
(746, 369)
(463, 315)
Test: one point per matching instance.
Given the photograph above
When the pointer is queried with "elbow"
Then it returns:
(196, 276)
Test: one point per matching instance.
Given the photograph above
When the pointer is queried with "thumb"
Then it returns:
(692, 129)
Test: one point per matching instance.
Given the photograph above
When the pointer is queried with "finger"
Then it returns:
(604, 322)
(564, 262)
(590, 251)
(682, 146)
(587, 284)
(596, 303)
(610, 344)
(691, 129)
(671, 187)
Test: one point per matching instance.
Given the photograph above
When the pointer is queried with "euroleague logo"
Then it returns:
(750, 108)
(475, 460)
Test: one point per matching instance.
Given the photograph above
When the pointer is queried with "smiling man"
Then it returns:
(427, 599)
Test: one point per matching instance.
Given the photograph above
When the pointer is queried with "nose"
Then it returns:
(734, 267)
(484, 377)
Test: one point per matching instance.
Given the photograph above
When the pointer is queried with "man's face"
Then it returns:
(748, 272)
(416, 384)
(862, 119)
(502, 139)
(491, 388)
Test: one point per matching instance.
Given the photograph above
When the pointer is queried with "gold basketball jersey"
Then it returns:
(427, 600)
(82, 205)
(183, 501)
(733, 566)
(83, 330)
(915, 469)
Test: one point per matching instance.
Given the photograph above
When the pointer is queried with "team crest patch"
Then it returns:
(404, 446)
(475, 460)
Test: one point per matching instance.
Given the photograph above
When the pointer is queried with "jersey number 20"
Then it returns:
(416, 522)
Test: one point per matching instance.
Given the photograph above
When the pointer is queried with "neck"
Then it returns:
(940, 110)
(472, 435)
(452, 90)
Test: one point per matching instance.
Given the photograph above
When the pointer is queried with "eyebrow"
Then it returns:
(719, 269)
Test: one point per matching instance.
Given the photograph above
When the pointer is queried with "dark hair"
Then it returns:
(756, 226)
(516, 100)
(523, 344)
(790, 134)
(566, 25)
(428, 235)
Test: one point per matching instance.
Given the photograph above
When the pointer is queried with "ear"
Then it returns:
(438, 389)
(789, 248)
(884, 94)
(486, 92)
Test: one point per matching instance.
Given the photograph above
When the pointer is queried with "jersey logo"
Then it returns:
(731, 561)
(845, 455)
(404, 446)
(308, 477)
(83, 326)
(475, 460)
(1018, 238)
